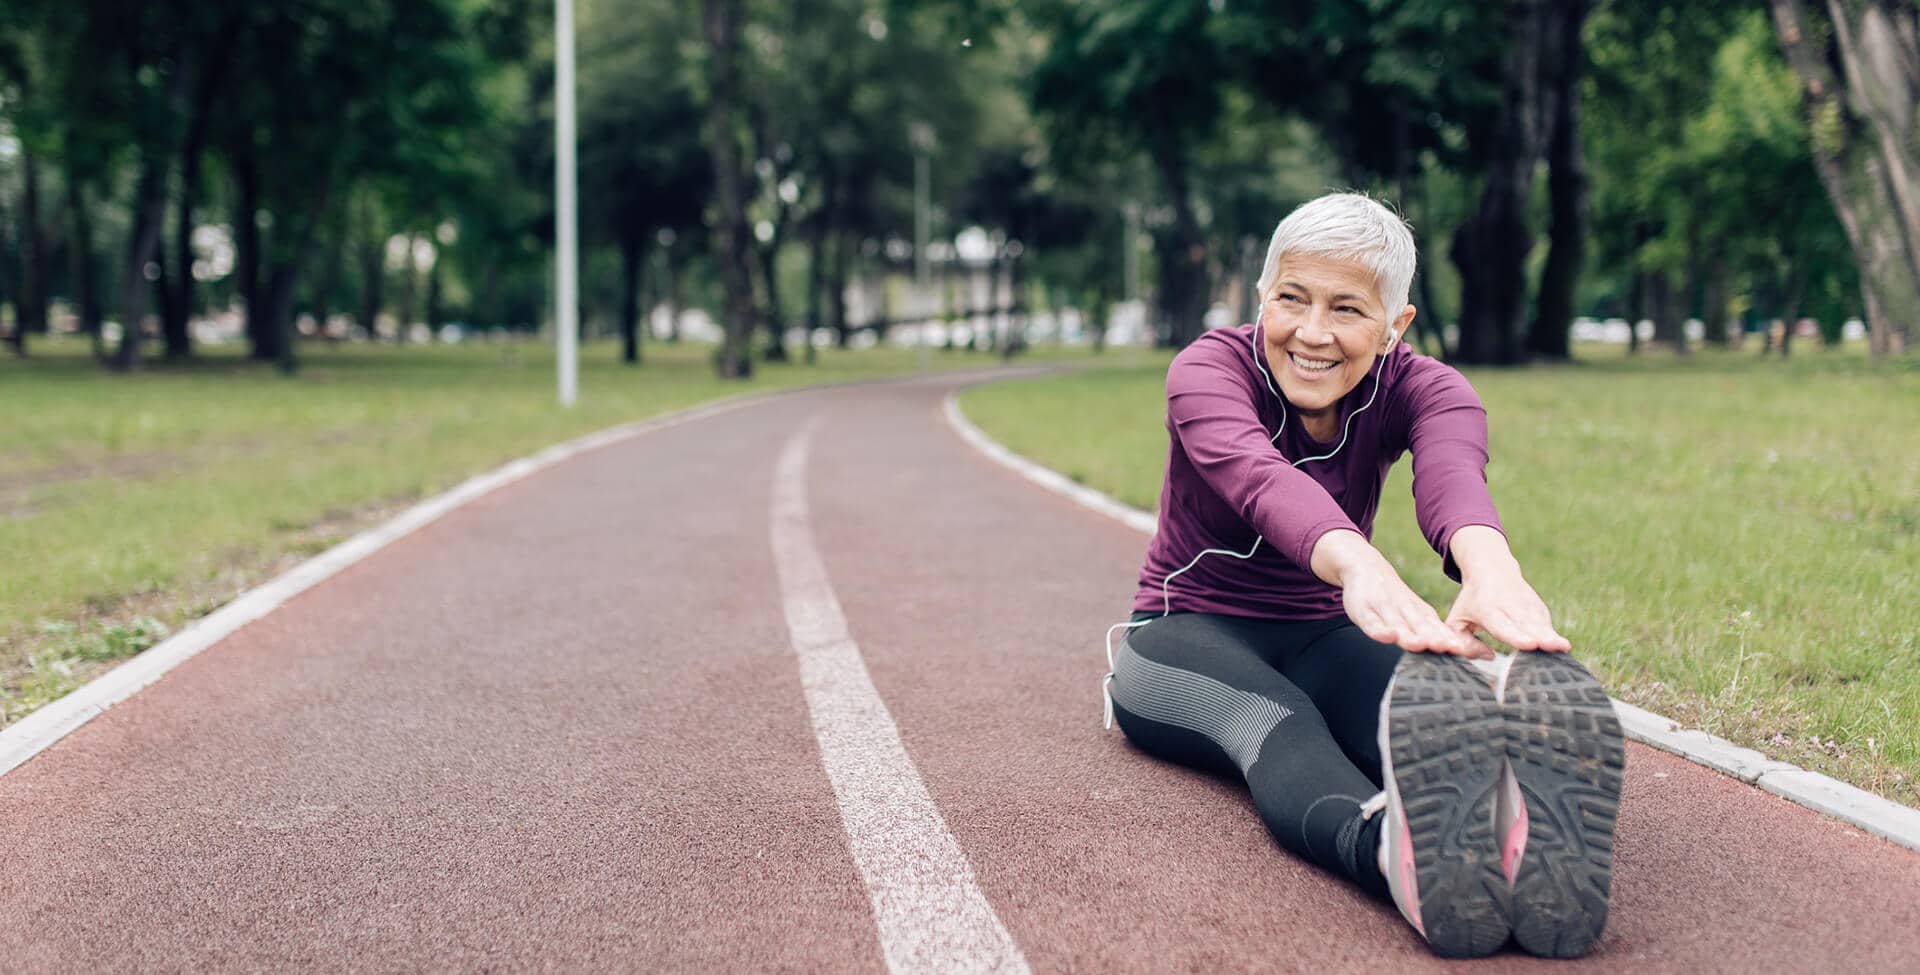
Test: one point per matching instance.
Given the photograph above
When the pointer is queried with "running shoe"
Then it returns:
(1568, 760)
(1442, 751)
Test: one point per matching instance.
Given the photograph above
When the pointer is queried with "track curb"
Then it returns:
(1829, 796)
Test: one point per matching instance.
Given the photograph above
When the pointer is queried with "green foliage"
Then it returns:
(1710, 166)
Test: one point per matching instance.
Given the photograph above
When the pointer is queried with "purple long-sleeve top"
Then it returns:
(1227, 484)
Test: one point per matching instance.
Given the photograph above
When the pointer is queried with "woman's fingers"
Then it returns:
(1372, 624)
(1427, 633)
(1526, 634)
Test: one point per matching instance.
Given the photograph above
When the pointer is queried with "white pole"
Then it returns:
(566, 216)
(920, 251)
(920, 219)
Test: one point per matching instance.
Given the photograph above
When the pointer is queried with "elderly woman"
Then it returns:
(1271, 640)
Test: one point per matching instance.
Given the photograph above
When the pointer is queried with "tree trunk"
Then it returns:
(1566, 182)
(1796, 289)
(1016, 341)
(143, 242)
(282, 274)
(329, 284)
(838, 269)
(722, 22)
(1864, 142)
(633, 261)
(1429, 322)
(404, 309)
(1713, 300)
(30, 299)
(1247, 295)
(1664, 308)
(1692, 285)
(246, 245)
(1637, 305)
(776, 321)
(1097, 307)
(434, 313)
(81, 263)
(1181, 251)
(176, 308)
(1490, 248)
(373, 271)
(293, 248)
(817, 270)
(671, 293)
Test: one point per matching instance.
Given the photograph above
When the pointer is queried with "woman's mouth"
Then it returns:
(1310, 366)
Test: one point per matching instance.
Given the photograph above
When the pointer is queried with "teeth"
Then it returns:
(1310, 365)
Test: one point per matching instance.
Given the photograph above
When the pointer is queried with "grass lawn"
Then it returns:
(130, 505)
(1731, 542)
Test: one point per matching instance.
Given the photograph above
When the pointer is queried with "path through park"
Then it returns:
(806, 686)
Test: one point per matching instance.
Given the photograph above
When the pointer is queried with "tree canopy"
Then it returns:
(330, 169)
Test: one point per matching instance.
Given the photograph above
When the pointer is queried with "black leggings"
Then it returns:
(1292, 708)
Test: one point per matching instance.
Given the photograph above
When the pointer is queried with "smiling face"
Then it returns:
(1325, 324)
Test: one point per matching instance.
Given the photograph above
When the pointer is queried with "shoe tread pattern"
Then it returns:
(1445, 732)
(1567, 752)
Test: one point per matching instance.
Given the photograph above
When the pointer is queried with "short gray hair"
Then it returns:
(1348, 227)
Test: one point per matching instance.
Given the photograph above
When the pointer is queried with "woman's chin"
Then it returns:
(1310, 398)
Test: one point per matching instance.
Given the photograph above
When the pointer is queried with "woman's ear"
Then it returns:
(1398, 328)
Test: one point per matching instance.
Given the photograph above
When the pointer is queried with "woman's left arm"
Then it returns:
(1495, 598)
(1447, 433)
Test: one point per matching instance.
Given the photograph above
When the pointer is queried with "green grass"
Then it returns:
(129, 504)
(1734, 543)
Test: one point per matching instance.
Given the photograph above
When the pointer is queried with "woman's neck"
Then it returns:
(1321, 425)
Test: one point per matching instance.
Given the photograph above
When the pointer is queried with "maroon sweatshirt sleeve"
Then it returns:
(1210, 410)
(1448, 437)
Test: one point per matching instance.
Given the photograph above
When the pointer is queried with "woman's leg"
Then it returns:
(1345, 673)
(1197, 689)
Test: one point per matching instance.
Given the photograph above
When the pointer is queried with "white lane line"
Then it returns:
(38, 731)
(931, 914)
(1877, 815)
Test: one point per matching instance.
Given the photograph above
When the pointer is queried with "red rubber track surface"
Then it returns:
(561, 729)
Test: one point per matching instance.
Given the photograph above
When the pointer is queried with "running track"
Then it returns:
(592, 722)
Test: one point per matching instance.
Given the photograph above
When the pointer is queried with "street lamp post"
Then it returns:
(921, 135)
(566, 312)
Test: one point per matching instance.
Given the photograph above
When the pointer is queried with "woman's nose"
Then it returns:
(1314, 330)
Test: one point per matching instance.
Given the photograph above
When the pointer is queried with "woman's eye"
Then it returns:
(1295, 299)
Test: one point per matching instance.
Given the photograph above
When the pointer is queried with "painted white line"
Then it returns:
(931, 914)
(33, 734)
(1875, 814)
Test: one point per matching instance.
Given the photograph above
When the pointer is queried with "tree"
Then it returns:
(721, 20)
(641, 160)
(1859, 66)
(1143, 75)
(1649, 217)
(1404, 99)
(1563, 62)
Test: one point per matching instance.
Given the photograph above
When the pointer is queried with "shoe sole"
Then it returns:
(1567, 753)
(1446, 744)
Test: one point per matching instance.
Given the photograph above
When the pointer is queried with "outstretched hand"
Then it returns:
(1379, 602)
(1382, 606)
(1506, 608)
